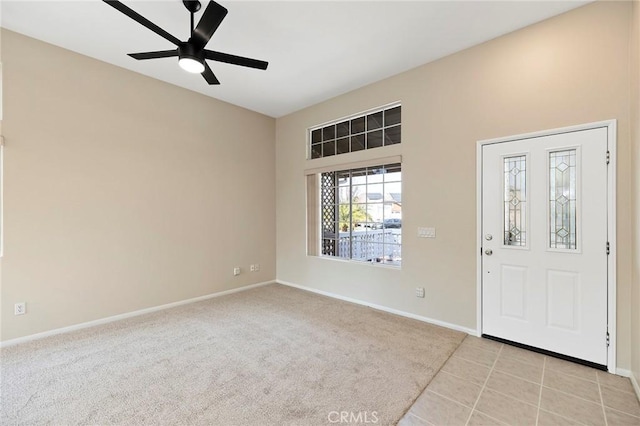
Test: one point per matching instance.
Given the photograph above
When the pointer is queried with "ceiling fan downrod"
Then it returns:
(192, 6)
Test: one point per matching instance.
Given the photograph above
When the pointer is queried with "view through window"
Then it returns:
(361, 214)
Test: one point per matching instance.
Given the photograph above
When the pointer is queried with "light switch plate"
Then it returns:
(426, 232)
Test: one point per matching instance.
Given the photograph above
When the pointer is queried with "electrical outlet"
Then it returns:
(20, 308)
(419, 291)
(256, 267)
(252, 268)
(236, 271)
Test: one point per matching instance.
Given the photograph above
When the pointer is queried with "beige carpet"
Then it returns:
(268, 356)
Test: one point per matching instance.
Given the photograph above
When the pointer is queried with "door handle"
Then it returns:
(488, 252)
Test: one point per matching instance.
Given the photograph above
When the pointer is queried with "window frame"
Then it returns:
(376, 244)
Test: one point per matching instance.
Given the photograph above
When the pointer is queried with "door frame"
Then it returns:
(611, 126)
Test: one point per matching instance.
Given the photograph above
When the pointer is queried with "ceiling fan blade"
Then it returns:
(209, 75)
(235, 60)
(154, 55)
(209, 23)
(142, 20)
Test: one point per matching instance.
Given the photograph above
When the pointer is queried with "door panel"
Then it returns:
(513, 287)
(563, 300)
(544, 227)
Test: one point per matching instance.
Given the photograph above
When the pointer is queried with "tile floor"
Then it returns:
(488, 383)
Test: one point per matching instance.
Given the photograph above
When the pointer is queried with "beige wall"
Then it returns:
(123, 192)
(569, 70)
(635, 137)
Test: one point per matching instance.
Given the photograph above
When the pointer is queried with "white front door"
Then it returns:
(544, 248)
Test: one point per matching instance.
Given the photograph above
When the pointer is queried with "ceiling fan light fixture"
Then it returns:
(190, 59)
(192, 65)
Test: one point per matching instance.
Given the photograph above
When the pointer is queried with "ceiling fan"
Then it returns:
(191, 53)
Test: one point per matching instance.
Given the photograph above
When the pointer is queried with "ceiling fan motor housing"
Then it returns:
(187, 50)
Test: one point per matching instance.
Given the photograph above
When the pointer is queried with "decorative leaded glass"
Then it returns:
(562, 200)
(515, 201)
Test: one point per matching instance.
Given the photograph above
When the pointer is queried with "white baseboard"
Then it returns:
(627, 373)
(127, 315)
(635, 384)
(623, 372)
(382, 308)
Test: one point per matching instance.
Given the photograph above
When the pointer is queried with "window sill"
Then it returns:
(356, 262)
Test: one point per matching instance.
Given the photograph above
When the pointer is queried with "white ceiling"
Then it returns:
(316, 50)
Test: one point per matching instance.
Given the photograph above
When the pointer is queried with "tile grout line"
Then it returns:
(622, 412)
(484, 385)
(565, 417)
(604, 412)
(616, 389)
(575, 396)
(471, 361)
(498, 422)
(510, 396)
(509, 357)
(544, 363)
(445, 397)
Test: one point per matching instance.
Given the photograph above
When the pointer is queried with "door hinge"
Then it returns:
(608, 157)
(608, 248)
(608, 339)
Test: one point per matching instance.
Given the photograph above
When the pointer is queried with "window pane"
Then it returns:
(316, 136)
(359, 176)
(562, 202)
(357, 125)
(344, 246)
(375, 176)
(344, 195)
(359, 193)
(392, 116)
(328, 148)
(515, 199)
(376, 252)
(392, 135)
(375, 193)
(343, 129)
(392, 173)
(357, 143)
(374, 139)
(344, 214)
(316, 150)
(361, 217)
(374, 121)
(343, 145)
(329, 133)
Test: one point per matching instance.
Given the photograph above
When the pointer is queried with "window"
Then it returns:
(361, 214)
(515, 201)
(354, 207)
(371, 130)
(563, 199)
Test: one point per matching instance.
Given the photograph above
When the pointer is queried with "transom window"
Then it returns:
(371, 130)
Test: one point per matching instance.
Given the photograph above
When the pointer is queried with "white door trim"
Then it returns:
(611, 222)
